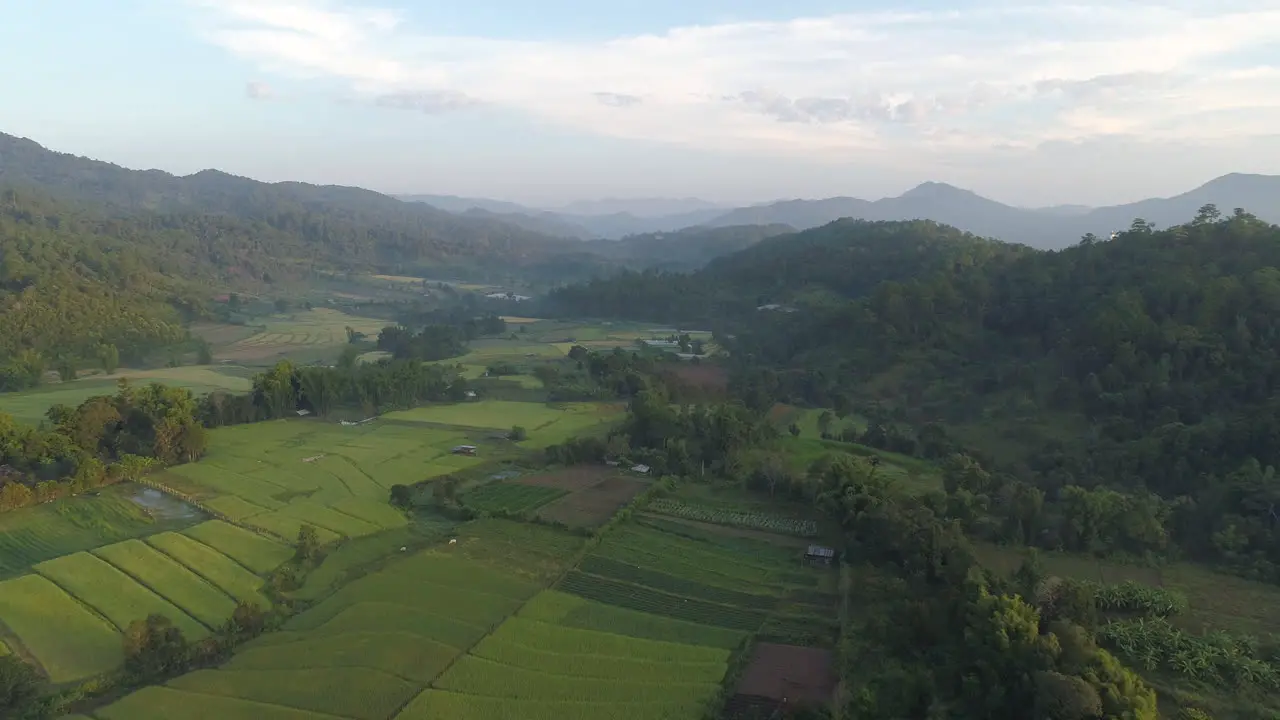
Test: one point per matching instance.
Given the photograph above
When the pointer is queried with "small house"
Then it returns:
(470, 394)
(465, 450)
(819, 555)
(642, 469)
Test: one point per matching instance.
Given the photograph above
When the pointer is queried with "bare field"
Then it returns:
(796, 674)
(594, 505)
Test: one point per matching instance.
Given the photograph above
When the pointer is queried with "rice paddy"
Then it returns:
(30, 406)
(370, 648)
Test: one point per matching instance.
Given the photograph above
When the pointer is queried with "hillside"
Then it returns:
(1148, 362)
(841, 260)
(341, 225)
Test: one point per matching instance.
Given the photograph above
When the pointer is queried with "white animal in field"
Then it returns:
(453, 541)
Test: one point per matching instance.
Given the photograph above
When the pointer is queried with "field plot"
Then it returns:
(546, 424)
(369, 648)
(298, 334)
(234, 579)
(113, 594)
(68, 640)
(510, 497)
(541, 668)
(734, 518)
(43, 532)
(258, 554)
(170, 580)
(30, 406)
(791, 673)
(276, 476)
(594, 505)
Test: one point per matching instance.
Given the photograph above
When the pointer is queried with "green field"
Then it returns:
(258, 554)
(234, 579)
(303, 335)
(546, 424)
(30, 406)
(366, 650)
(170, 580)
(43, 532)
(277, 476)
(67, 639)
(113, 594)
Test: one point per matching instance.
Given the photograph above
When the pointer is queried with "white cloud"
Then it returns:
(259, 91)
(837, 86)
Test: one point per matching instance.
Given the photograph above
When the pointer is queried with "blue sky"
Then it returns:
(731, 100)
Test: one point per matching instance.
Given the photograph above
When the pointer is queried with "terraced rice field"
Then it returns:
(302, 331)
(546, 424)
(34, 534)
(69, 641)
(228, 575)
(371, 647)
(258, 554)
(113, 594)
(277, 476)
(171, 580)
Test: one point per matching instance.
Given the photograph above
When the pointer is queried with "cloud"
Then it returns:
(430, 102)
(964, 80)
(259, 91)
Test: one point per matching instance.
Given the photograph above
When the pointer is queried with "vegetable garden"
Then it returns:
(735, 518)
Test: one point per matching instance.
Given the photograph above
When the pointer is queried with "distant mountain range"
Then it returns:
(1050, 227)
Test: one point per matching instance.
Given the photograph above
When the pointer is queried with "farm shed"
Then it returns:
(819, 555)
(464, 450)
(642, 469)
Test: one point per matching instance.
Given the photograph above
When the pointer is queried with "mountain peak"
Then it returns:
(936, 190)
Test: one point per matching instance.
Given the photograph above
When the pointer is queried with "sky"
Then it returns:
(733, 101)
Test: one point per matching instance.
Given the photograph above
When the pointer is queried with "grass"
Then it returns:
(68, 640)
(1217, 601)
(170, 580)
(43, 532)
(434, 704)
(30, 406)
(572, 611)
(297, 334)
(510, 497)
(226, 574)
(357, 555)
(351, 692)
(574, 664)
(555, 638)
(477, 676)
(113, 594)
(404, 656)
(164, 703)
(258, 554)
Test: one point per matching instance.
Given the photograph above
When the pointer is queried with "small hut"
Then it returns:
(819, 555)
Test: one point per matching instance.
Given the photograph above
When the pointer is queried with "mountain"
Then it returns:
(456, 204)
(343, 226)
(686, 249)
(1048, 228)
(543, 223)
(638, 207)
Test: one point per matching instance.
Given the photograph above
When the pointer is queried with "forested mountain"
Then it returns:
(337, 224)
(841, 260)
(687, 249)
(1045, 228)
(1148, 363)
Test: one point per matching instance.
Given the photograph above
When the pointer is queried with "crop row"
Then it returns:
(735, 518)
(478, 676)
(634, 597)
(462, 706)
(510, 497)
(616, 570)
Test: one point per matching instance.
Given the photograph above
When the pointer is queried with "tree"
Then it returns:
(401, 496)
(204, 353)
(1065, 697)
(66, 369)
(109, 357)
(518, 434)
(248, 620)
(154, 648)
(794, 429)
(825, 419)
(20, 686)
(308, 545)
(282, 305)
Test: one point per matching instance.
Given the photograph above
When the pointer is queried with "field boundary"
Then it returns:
(156, 485)
(161, 595)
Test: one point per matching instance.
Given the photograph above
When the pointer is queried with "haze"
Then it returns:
(733, 102)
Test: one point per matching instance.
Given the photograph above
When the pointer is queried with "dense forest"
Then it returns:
(1129, 380)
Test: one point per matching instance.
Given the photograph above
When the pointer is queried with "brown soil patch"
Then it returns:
(579, 477)
(800, 675)
(593, 506)
(728, 531)
(704, 375)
